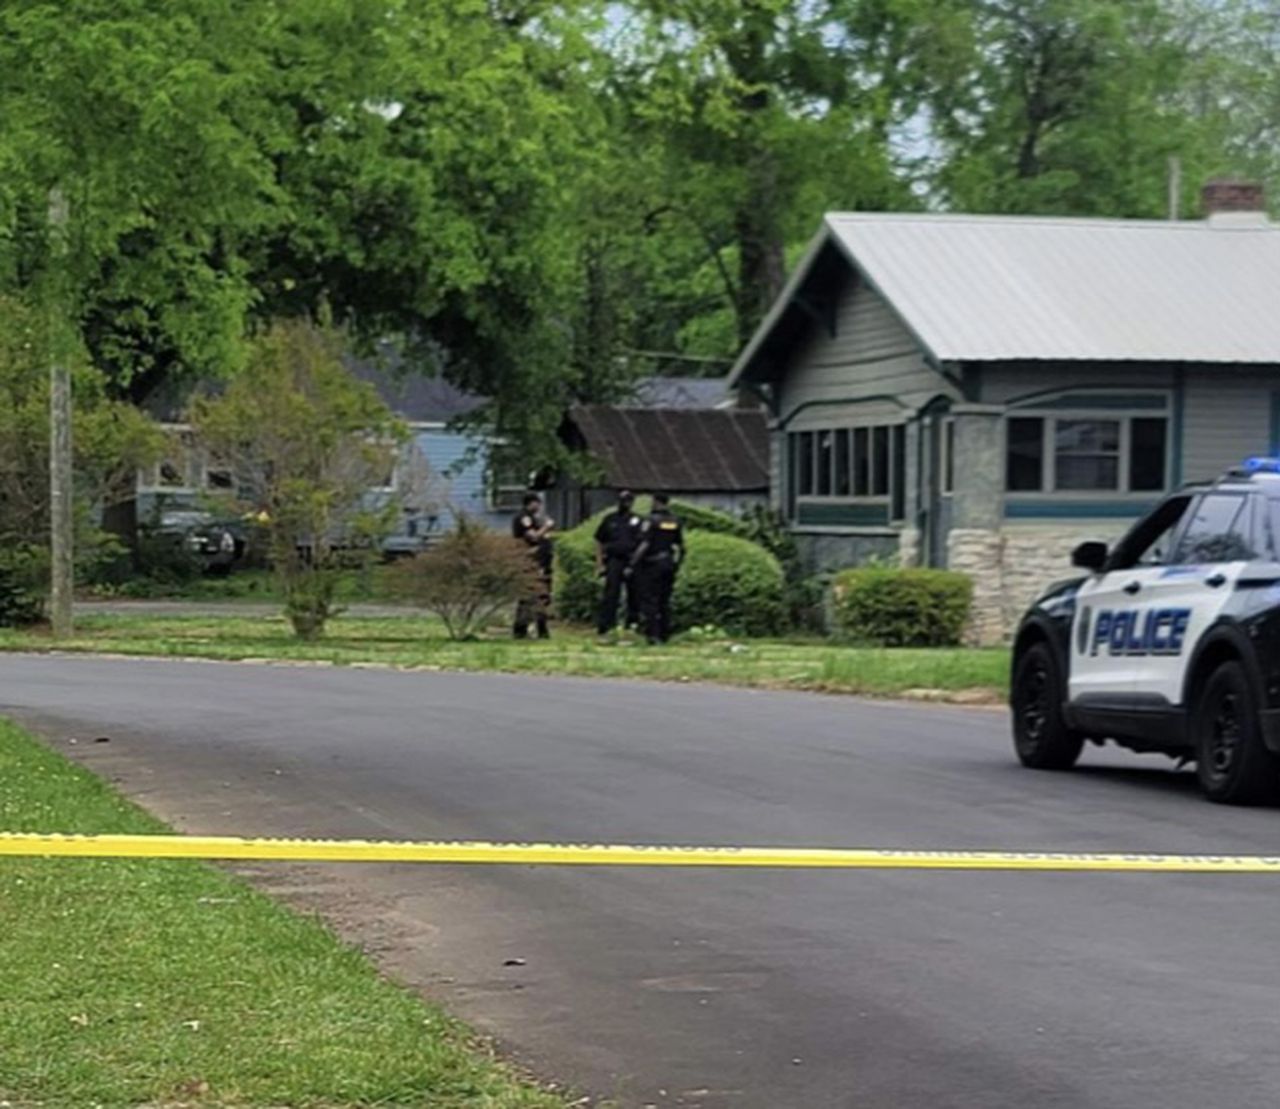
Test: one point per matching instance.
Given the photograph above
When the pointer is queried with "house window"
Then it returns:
(844, 467)
(507, 483)
(1086, 452)
(848, 465)
(826, 459)
(804, 463)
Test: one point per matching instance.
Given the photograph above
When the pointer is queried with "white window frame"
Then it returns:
(1049, 455)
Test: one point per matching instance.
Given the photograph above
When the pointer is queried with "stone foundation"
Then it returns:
(1011, 567)
(976, 553)
(909, 547)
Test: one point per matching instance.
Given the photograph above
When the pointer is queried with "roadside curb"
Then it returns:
(977, 697)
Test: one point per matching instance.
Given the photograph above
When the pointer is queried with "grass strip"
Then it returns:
(165, 983)
(410, 641)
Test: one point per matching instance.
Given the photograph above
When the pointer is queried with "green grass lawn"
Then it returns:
(165, 983)
(412, 641)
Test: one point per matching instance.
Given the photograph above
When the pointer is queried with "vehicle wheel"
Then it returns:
(1232, 763)
(1040, 735)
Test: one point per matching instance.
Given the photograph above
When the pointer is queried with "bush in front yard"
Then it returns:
(20, 600)
(575, 584)
(725, 581)
(902, 607)
(467, 578)
(730, 583)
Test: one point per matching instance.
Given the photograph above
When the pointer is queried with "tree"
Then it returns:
(726, 129)
(1072, 106)
(306, 443)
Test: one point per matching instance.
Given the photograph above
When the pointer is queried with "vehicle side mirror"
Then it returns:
(1090, 555)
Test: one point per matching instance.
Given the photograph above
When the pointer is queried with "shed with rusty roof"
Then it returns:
(716, 457)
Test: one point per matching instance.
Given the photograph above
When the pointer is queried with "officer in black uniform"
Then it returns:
(616, 540)
(534, 531)
(654, 565)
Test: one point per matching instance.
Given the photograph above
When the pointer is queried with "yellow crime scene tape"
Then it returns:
(595, 854)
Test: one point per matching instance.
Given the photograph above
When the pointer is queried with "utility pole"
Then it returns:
(60, 473)
(1175, 186)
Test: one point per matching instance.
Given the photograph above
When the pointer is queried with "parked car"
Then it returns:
(217, 544)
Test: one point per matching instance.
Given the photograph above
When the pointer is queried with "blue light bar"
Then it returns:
(1262, 464)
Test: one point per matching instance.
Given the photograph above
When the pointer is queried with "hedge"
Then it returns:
(902, 607)
(725, 581)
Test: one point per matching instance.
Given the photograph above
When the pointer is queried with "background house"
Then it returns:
(443, 470)
(717, 457)
(982, 392)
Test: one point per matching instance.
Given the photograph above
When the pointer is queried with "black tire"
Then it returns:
(1232, 763)
(1040, 735)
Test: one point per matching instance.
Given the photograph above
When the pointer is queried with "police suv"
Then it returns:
(1171, 643)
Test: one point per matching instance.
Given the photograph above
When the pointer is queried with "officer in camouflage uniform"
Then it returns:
(532, 529)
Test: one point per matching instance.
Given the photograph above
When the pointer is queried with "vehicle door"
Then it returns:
(1104, 664)
(1190, 592)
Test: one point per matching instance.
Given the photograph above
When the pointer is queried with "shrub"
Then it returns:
(466, 578)
(725, 581)
(21, 602)
(577, 586)
(731, 583)
(902, 607)
(696, 517)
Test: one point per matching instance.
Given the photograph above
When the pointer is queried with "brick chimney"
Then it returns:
(1229, 200)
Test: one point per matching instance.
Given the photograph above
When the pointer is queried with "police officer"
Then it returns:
(616, 540)
(530, 528)
(653, 567)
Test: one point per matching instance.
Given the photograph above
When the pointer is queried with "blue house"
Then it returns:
(442, 472)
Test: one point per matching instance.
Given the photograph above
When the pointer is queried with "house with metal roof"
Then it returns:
(980, 392)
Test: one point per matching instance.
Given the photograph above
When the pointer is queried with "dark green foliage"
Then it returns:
(20, 602)
(762, 524)
(902, 608)
(698, 518)
(726, 581)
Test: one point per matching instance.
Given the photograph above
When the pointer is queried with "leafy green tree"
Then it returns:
(1072, 106)
(305, 443)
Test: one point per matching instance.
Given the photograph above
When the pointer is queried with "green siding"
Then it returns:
(1059, 509)
(819, 515)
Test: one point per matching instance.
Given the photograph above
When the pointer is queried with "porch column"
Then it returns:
(909, 538)
(977, 507)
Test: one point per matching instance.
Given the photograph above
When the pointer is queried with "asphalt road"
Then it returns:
(769, 989)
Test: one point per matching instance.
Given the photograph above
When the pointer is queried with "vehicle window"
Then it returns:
(1150, 542)
(1218, 531)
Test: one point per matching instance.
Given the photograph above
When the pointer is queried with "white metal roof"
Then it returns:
(994, 288)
